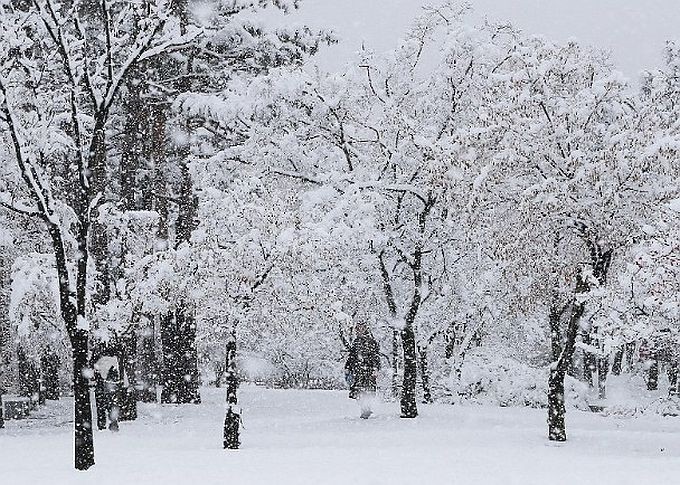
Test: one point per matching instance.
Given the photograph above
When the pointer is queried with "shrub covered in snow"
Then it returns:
(488, 376)
(668, 406)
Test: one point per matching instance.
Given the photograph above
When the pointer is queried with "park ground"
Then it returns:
(317, 438)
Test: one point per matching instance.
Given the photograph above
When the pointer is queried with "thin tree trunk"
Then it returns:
(127, 364)
(83, 441)
(602, 371)
(29, 379)
(147, 370)
(589, 361)
(425, 375)
(556, 406)
(180, 363)
(617, 365)
(395, 363)
(186, 322)
(409, 408)
(653, 375)
(172, 372)
(673, 379)
(233, 417)
(50, 371)
(189, 384)
(555, 334)
(392, 309)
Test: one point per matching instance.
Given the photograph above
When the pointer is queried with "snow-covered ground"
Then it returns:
(316, 437)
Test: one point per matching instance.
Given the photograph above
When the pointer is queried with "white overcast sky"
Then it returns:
(634, 30)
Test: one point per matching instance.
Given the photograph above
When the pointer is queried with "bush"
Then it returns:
(490, 377)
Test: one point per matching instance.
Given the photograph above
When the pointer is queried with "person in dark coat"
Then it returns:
(107, 392)
(361, 369)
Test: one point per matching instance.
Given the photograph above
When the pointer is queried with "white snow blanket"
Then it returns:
(317, 437)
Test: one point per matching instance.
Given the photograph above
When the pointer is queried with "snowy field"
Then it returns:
(316, 437)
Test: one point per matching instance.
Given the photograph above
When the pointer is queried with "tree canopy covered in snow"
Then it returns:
(186, 201)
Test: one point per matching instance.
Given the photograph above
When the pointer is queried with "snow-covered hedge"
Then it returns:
(489, 377)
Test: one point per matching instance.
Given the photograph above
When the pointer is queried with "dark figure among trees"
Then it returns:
(361, 369)
(107, 392)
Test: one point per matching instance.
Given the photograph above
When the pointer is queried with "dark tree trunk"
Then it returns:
(186, 322)
(673, 379)
(84, 445)
(100, 254)
(180, 363)
(392, 308)
(187, 206)
(602, 371)
(556, 408)
(630, 349)
(617, 365)
(189, 385)
(555, 334)
(425, 376)
(50, 372)
(220, 371)
(589, 361)
(101, 401)
(70, 312)
(2, 408)
(395, 363)
(601, 260)
(131, 172)
(180, 376)
(29, 377)
(409, 408)
(133, 141)
(653, 375)
(168, 338)
(172, 363)
(555, 315)
(232, 419)
(147, 372)
(127, 363)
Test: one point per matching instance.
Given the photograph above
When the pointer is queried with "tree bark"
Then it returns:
(73, 310)
(29, 380)
(50, 372)
(555, 334)
(617, 365)
(409, 408)
(189, 384)
(127, 363)
(233, 417)
(180, 363)
(673, 379)
(589, 361)
(425, 376)
(653, 375)
(147, 371)
(395, 363)
(172, 371)
(602, 371)
(392, 309)
(556, 405)
(83, 441)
